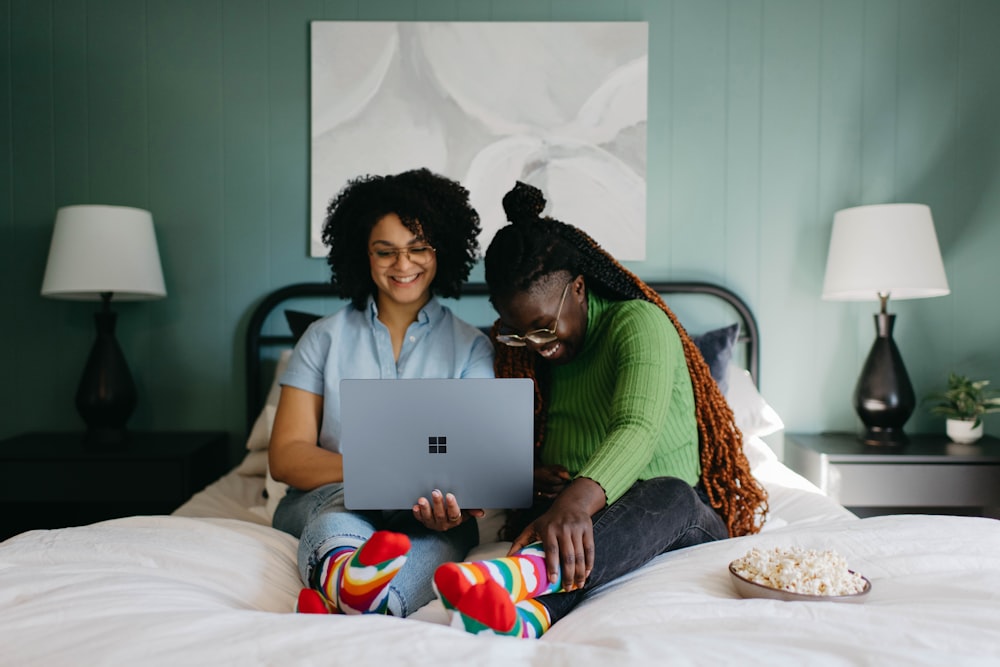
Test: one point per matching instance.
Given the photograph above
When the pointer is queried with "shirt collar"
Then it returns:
(431, 313)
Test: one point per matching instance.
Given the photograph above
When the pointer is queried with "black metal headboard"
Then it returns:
(257, 341)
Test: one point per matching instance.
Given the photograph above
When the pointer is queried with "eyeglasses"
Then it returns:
(418, 254)
(536, 336)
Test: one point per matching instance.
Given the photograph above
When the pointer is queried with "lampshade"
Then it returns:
(886, 248)
(99, 249)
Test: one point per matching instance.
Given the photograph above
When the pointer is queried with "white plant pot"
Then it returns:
(962, 431)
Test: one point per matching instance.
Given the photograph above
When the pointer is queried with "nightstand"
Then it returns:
(52, 480)
(928, 473)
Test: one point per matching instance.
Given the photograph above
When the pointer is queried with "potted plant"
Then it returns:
(963, 404)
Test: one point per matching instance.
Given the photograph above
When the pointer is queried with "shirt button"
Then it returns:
(413, 338)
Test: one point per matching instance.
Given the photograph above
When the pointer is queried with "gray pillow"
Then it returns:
(298, 322)
(716, 347)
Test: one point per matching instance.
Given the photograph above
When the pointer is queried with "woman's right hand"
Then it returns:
(442, 512)
(566, 531)
(550, 480)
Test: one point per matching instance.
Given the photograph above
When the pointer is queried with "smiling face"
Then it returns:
(538, 308)
(402, 278)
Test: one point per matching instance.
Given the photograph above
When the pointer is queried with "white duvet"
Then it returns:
(181, 590)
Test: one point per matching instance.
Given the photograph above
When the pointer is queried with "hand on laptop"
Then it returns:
(550, 480)
(442, 511)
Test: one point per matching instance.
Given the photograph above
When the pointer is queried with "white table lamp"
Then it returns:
(877, 252)
(103, 253)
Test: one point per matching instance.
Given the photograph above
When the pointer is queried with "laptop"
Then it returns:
(401, 439)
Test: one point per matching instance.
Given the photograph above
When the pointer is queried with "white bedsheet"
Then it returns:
(183, 590)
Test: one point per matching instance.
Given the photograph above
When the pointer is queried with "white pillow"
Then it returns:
(254, 464)
(260, 434)
(753, 415)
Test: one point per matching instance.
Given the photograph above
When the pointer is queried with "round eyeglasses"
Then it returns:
(386, 257)
(536, 336)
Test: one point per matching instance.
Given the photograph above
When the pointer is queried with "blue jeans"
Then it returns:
(322, 523)
(653, 517)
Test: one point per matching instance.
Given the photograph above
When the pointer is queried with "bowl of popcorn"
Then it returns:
(795, 573)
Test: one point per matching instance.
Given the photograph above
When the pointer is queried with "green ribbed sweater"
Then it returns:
(623, 409)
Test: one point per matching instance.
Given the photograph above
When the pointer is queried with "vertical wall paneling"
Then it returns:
(190, 359)
(928, 135)
(765, 117)
(741, 193)
(789, 163)
(388, 10)
(437, 10)
(116, 102)
(658, 143)
(70, 111)
(589, 10)
(8, 243)
(288, 102)
(698, 131)
(340, 10)
(973, 232)
(245, 178)
(838, 186)
(31, 154)
(522, 10)
(474, 10)
(879, 96)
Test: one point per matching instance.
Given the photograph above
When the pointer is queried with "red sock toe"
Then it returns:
(451, 583)
(311, 602)
(382, 546)
(489, 604)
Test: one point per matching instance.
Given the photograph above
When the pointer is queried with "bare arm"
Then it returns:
(293, 456)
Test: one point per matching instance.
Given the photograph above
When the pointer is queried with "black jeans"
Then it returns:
(653, 517)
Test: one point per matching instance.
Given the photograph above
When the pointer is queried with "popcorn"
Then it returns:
(798, 570)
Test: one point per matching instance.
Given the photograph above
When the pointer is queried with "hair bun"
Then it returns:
(524, 203)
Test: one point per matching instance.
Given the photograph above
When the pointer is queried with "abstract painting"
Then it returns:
(559, 105)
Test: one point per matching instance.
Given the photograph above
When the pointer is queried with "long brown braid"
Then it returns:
(534, 247)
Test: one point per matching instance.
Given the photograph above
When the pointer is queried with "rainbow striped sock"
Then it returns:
(497, 595)
(486, 608)
(356, 581)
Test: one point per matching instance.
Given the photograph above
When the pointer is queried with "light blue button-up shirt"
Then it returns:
(355, 344)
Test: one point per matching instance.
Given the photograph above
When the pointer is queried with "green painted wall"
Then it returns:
(766, 116)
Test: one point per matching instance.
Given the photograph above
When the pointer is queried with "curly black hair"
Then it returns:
(431, 206)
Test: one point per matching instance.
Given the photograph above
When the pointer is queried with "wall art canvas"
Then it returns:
(560, 105)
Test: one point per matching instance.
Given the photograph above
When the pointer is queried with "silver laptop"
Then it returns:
(401, 439)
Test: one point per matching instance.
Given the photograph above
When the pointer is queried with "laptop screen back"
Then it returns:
(401, 439)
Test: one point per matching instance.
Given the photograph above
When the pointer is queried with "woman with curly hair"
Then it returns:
(395, 242)
(637, 451)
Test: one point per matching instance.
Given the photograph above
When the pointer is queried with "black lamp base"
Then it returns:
(883, 397)
(106, 395)
(877, 436)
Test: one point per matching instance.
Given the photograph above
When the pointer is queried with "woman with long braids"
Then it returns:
(637, 451)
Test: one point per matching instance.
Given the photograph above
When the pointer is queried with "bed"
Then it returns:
(213, 583)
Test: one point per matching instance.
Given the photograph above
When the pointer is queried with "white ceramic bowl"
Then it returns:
(751, 589)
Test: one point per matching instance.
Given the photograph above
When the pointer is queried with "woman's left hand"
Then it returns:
(566, 532)
(442, 512)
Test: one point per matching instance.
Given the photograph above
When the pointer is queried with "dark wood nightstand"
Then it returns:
(930, 473)
(52, 480)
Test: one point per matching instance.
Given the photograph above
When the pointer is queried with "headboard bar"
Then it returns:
(256, 340)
